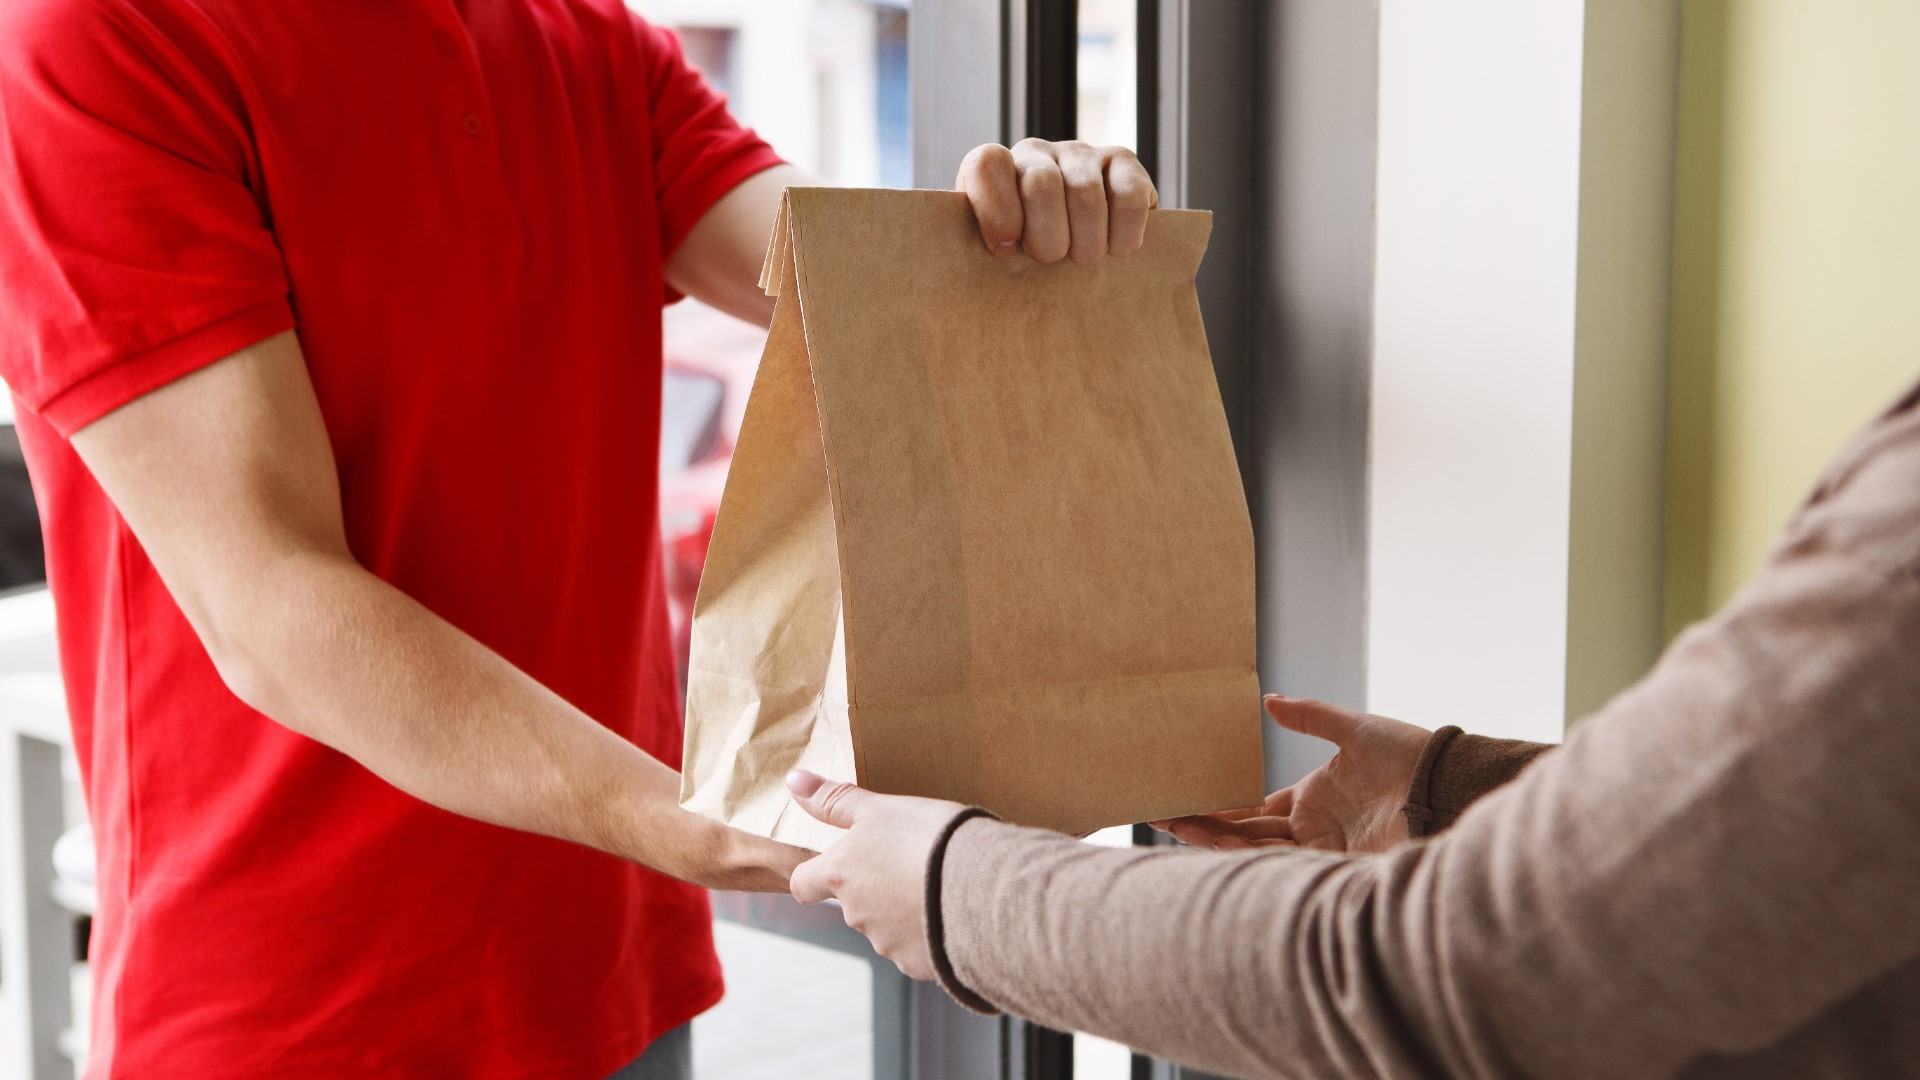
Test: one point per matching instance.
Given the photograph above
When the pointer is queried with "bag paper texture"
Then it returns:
(983, 537)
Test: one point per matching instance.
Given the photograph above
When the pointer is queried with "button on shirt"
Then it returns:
(463, 209)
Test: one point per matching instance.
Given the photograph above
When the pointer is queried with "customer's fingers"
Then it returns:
(1279, 804)
(1315, 718)
(1240, 814)
(1197, 832)
(1261, 828)
(1043, 201)
(992, 184)
(1236, 843)
(1214, 820)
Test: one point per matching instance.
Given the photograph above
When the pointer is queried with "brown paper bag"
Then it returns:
(983, 538)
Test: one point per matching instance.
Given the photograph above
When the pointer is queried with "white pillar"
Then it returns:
(1519, 337)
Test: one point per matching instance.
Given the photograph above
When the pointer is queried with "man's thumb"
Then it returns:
(832, 801)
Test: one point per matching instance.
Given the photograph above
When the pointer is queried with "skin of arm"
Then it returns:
(719, 261)
(227, 479)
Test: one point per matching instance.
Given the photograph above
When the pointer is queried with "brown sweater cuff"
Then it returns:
(936, 924)
(1455, 769)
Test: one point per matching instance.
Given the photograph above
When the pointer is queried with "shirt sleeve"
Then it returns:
(1720, 858)
(134, 247)
(1455, 769)
(700, 152)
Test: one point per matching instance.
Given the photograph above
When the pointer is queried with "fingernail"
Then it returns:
(803, 783)
(1005, 247)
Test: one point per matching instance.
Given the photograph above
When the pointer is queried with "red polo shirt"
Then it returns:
(462, 206)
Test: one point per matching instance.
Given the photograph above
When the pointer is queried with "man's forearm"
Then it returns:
(333, 652)
(719, 261)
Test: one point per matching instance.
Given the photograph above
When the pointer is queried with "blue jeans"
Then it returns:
(669, 1058)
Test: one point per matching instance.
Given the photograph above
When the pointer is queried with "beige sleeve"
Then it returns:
(1710, 863)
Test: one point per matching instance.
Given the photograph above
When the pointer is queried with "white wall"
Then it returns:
(1479, 288)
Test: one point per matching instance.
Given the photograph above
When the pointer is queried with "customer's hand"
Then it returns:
(878, 871)
(1059, 199)
(1351, 803)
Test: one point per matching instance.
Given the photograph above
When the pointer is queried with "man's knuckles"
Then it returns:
(1042, 183)
(1031, 147)
(987, 161)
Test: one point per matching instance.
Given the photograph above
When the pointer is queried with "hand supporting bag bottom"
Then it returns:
(983, 538)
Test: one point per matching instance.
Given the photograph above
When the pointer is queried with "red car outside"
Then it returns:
(710, 362)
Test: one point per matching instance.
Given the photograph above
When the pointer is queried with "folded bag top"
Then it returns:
(983, 537)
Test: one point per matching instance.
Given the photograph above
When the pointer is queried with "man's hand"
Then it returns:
(1053, 199)
(1351, 803)
(878, 871)
(1059, 200)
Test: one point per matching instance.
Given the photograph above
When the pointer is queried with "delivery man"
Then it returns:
(334, 330)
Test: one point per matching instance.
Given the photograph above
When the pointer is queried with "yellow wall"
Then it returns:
(1797, 264)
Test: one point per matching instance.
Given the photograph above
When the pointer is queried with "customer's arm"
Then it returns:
(227, 479)
(1721, 854)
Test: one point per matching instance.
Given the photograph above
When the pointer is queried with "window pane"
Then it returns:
(710, 48)
(1109, 72)
(1097, 1059)
(689, 418)
(824, 81)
